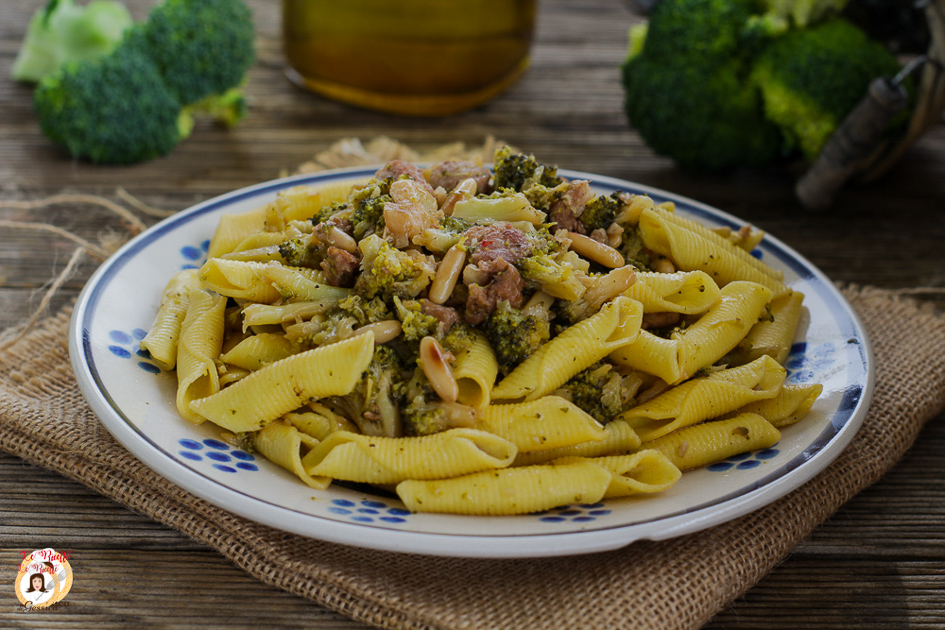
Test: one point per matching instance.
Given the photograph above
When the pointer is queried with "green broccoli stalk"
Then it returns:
(189, 58)
(687, 89)
(64, 31)
(812, 78)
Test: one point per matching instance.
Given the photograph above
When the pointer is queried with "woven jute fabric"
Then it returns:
(680, 583)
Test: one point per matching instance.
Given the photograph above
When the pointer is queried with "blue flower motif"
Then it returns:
(804, 364)
(194, 256)
(745, 461)
(125, 346)
(220, 455)
(581, 513)
(369, 511)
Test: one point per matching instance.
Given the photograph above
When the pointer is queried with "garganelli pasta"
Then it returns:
(482, 341)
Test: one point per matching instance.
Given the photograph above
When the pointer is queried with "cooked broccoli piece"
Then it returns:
(368, 216)
(633, 249)
(514, 335)
(426, 414)
(365, 311)
(64, 31)
(551, 276)
(454, 225)
(812, 78)
(687, 90)
(388, 271)
(327, 211)
(374, 404)
(299, 252)
(600, 212)
(599, 391)
(414, 322)
(519, 172)
(138, 102)
(459, 338)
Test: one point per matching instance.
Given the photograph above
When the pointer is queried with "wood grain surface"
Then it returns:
(878, 563)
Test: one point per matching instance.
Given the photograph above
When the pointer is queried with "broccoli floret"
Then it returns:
(812, 78)
(514, 335)
(203, 47)
(64, 31)
(599, 391)
(375, 403)
(633, 249)
(299, 252)
(388, 271)
(368, 216)
(454, 225)
(519, 172)
(687, 90)
(365, 311)
(138, 102)
(117, 110)
(600, 212)
(414, 322)
(551, 276)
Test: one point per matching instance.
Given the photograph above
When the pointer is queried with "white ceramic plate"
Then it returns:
(135, 401)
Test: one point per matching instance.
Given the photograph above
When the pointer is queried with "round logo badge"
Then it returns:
(44, 579)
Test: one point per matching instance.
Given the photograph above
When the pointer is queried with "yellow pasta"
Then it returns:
(686, 292)
(643, 472)
(652, 355)
(511, 208)
(285, 385)
(792, 403)
(693, 247)
(198, 348)
(709, 442)
(773, 336)
(575, 349)
(257, 351)
(285, 445)
(704, 398)
(161, 340)
(383, 460)
(547, 423)
(475, 371)
(508, 491)
(233, 228)
(319, 422)
(619, 439)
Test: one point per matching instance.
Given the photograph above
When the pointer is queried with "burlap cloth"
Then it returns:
(679, 583)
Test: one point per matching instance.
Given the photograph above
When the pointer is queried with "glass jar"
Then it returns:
(415, 57)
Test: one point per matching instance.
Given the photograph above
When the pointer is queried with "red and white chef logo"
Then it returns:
(44, 579)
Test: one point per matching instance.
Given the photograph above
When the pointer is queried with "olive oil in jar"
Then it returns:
(415, 57)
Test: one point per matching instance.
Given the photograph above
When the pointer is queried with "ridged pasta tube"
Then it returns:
(547, 423)
(199, 346)
(384, 460)
(686, 292)
(508, 491)
(619, 439)
(643, 472)
(709, 442)
(233, 228)
(774, 336)
(704, 398)
(258, 351)
(694, 247)
(475, 370)
(577, 348)
(792, 403)
(285, 445)
(286, 385)
(164, 334)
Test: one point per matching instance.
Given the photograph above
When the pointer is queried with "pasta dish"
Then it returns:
(482, 341)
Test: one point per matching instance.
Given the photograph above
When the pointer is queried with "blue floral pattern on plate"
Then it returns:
(218, 455)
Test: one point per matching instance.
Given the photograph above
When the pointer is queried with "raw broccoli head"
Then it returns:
(138, 102)
(687, 90)
(202, 47)
(812, 78)
(88, 108)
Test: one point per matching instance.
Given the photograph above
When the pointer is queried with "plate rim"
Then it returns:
(439, 544)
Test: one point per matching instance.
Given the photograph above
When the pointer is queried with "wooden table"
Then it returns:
(878, 563)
